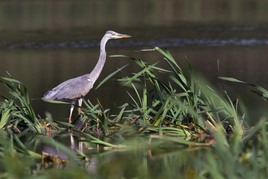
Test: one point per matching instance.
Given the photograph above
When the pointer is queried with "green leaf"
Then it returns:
(231, 79)
(118, 56)
(260, 90)
(111, 75)
(11, 80)
(5, 113)
(55, 102)
(140, 73)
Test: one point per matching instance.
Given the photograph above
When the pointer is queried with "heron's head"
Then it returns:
(114, 35)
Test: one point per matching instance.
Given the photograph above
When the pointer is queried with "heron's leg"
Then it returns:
(71, 111)
(72, 141)
(80, 123)
(80, 104)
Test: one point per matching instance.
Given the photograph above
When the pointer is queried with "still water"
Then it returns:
(43, 43)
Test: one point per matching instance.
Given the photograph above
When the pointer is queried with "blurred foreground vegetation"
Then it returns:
(181, 128)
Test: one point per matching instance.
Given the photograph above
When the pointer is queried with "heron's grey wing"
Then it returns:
(71, 89)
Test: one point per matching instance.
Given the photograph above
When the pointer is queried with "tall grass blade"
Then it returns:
(111, 75)
(261, 91)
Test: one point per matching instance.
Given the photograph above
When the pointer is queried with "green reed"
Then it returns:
(179, 128)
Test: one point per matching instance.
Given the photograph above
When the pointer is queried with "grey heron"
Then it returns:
(73, 89)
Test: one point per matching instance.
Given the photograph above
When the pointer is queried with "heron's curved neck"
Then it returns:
(95, 73)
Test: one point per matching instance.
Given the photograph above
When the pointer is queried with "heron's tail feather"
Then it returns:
(50, 95)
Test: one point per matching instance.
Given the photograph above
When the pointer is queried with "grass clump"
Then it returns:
(18, 114)
(186, 106)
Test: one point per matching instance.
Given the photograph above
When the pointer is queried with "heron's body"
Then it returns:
(74, 88)
(71, 89)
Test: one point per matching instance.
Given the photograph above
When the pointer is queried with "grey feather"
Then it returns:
(71, 89)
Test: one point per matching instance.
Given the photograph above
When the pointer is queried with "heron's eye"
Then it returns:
(113, 33)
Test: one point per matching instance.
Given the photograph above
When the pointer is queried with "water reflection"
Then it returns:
(33, 15)
(137, 158)
(70, 141)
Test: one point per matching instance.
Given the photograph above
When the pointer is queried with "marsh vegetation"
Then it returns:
(181, 127)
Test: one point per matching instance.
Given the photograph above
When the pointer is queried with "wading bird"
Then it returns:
(73, 89)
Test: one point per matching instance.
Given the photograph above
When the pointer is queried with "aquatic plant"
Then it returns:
(17, 112)
(180, 127)
(185, 106)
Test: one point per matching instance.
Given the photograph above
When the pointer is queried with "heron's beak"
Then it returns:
(123, 36)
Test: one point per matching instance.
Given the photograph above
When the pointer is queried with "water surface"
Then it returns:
(43, 43)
